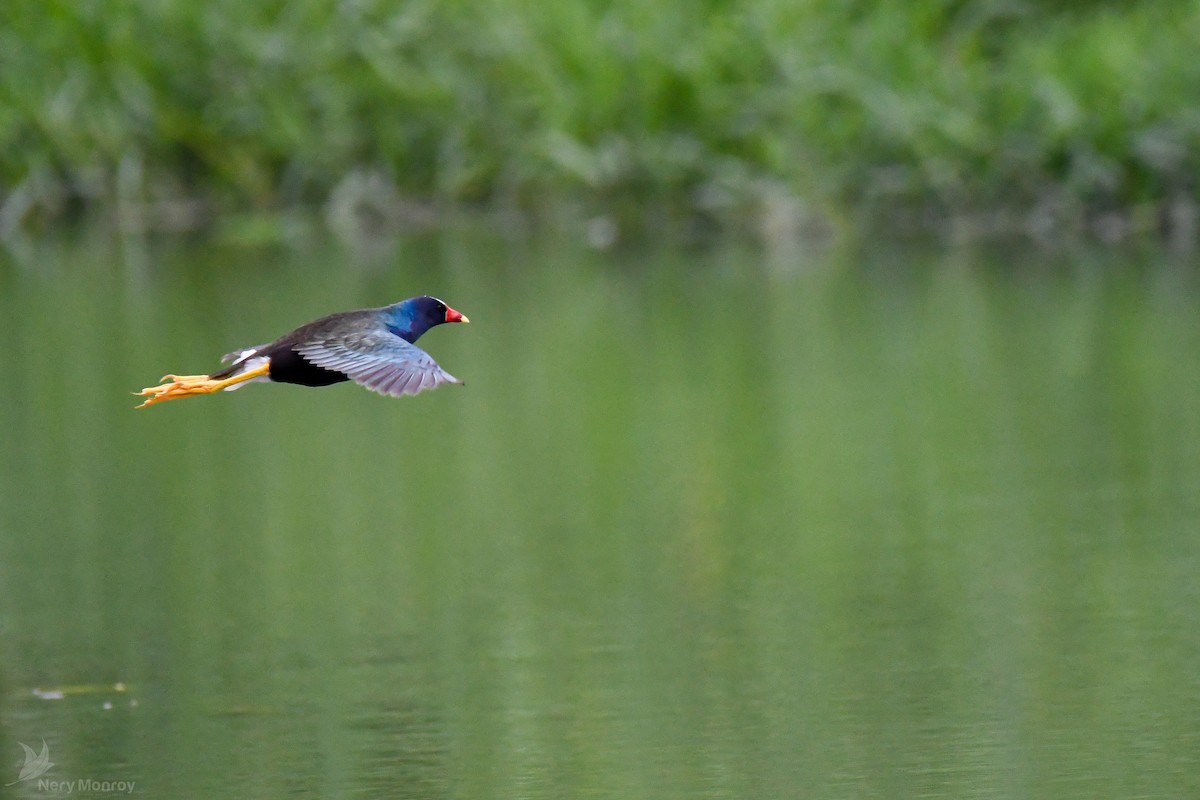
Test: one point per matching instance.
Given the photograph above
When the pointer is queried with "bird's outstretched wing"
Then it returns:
(378, 360)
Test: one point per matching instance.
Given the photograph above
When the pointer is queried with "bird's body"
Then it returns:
(373, 347)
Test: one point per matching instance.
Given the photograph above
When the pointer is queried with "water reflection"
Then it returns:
(884, 525)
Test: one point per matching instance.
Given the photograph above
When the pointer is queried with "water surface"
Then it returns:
(701, 524)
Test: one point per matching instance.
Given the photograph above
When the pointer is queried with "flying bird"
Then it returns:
(373, 347)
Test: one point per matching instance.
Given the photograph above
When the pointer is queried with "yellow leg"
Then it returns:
(184, 377)
(177, 386)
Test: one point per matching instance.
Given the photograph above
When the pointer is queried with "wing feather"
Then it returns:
(380, 361)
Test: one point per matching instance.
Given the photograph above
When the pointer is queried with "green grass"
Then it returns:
(1050, 114)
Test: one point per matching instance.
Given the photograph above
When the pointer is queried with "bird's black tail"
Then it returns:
(239, 361)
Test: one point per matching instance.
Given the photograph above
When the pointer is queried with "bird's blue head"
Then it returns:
(410, 318)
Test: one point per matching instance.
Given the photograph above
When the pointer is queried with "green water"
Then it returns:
(707, 524)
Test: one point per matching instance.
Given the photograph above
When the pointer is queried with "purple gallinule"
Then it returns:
(373, 347)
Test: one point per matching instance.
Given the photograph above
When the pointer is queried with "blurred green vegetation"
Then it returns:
(1041, 116)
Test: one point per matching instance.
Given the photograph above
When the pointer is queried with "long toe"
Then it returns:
(167, 391)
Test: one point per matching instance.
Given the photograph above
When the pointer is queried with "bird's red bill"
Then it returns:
(455, 316)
